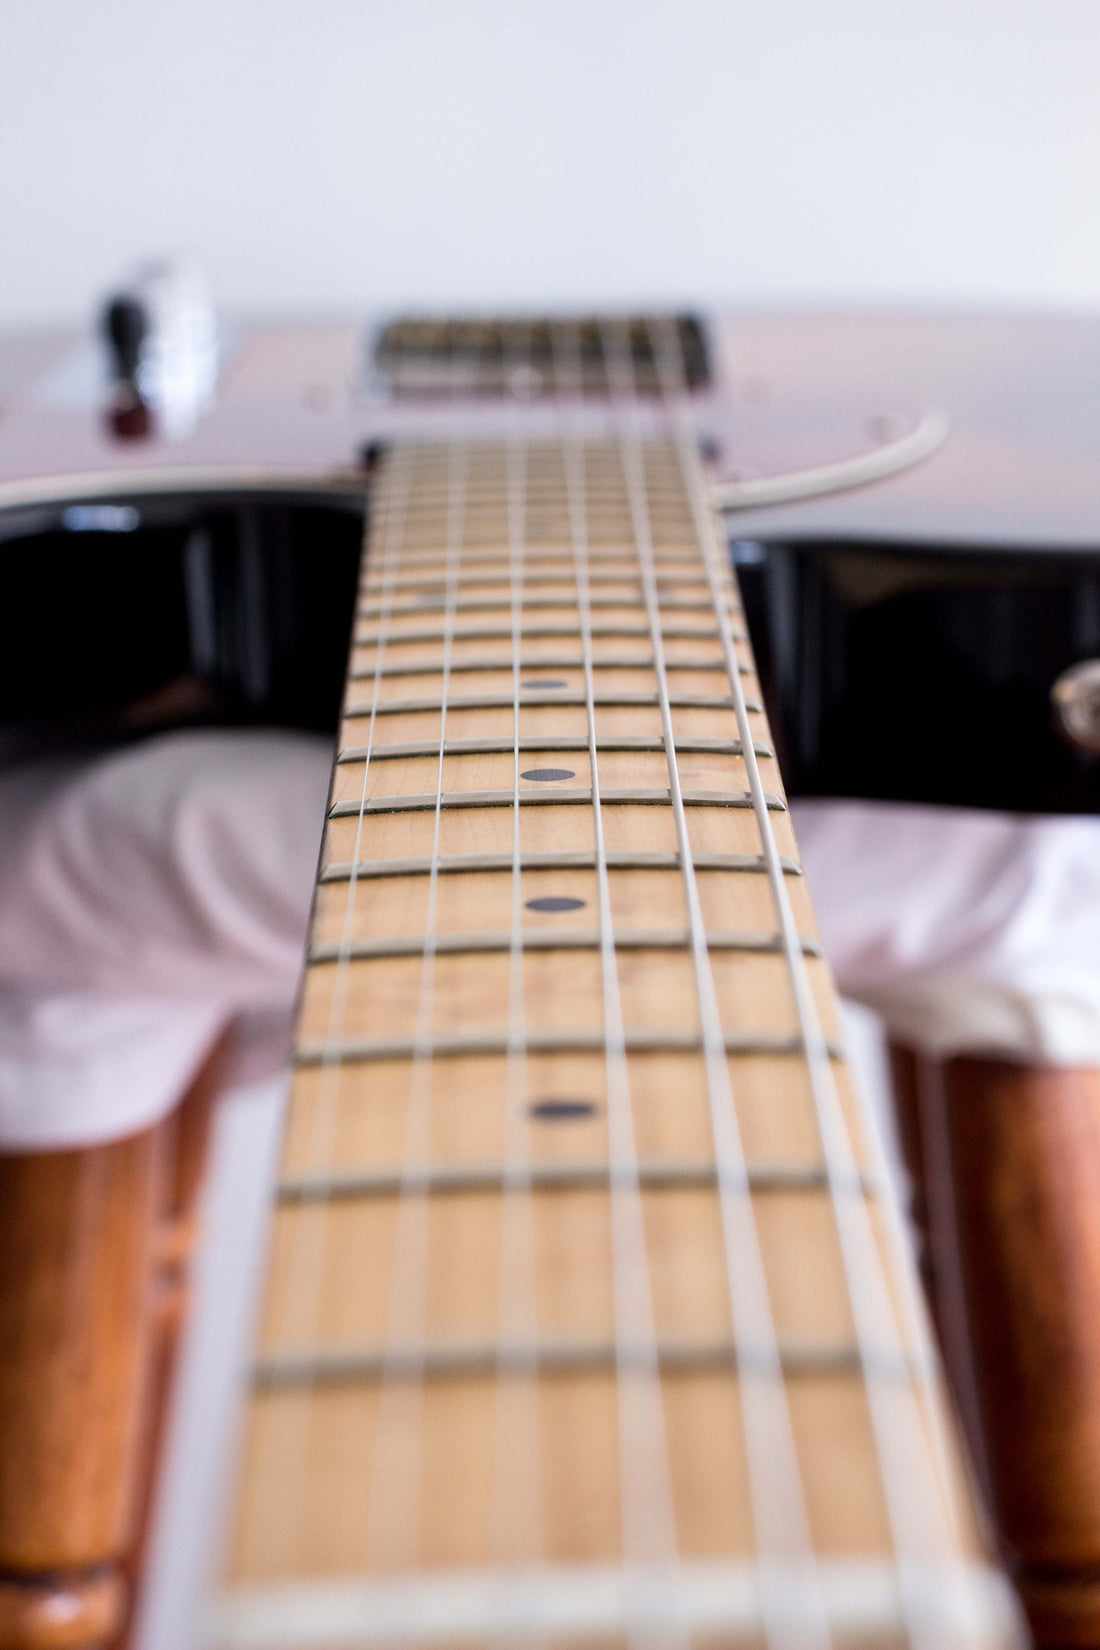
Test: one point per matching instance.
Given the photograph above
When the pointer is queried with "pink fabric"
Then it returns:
(148, 898)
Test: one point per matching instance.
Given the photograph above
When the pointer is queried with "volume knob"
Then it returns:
(125, 326)
(162, 334)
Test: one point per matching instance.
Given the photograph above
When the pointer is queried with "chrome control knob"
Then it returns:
(163, 338)
(1075, 697)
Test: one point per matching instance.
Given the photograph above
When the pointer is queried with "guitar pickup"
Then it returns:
(526, 358)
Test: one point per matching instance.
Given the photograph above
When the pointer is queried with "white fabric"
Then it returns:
(80, 1066)
(154, 895)
(149, 897)
(969, 932)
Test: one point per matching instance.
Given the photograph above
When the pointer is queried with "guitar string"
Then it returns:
(792, 1605)
(895, 1420)
(300, 1308)
(667, 353)
(926, 1422)
(516, 1496)
(324, 1110)
(394, 1509)
(650, 1551)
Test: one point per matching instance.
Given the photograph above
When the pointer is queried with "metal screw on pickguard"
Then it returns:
(1075, 697)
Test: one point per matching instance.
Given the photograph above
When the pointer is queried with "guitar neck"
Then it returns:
(586, 1319)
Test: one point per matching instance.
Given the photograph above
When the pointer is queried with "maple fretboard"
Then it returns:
(586, 1319)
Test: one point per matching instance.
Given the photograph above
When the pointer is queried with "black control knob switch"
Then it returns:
(125, 326)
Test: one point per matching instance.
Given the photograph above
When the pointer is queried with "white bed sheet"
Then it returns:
(968, 932)
(150, 897)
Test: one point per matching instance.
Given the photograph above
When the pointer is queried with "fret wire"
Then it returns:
(462, 864)
(499, 633)
(535, 604)
(490, 496)
(553, 939)
(776, 1496)
(625, 625)
(654, 1174)
(581, 1603)
(647, 1513)
(488, 501)
(554, 661)
(550, 540)
(547, 742)
(495, 701)
(573, 797)
(527, 1359)
(867, 1290)
(463, 1044)
(472, 581)
(430, 558)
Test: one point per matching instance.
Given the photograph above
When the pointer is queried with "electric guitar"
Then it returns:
(589, 1318)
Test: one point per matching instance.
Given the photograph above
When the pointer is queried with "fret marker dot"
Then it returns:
(554, 902)
(562, 1111)
(547, 773)
(544, 682)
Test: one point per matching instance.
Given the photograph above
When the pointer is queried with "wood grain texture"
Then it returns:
(67, 1612)
(77, 1239)
(1009, 1173)
(95, 1246)
(185, 1138)
(75, 1275)
(451, 1373)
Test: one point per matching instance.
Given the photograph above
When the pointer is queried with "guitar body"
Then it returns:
(983, 553)
(588, 1320)
(297, 402)
(300, 401)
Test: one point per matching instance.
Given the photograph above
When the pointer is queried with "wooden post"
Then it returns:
(186, 1139)
(76, 1260)
(905, 1073)
(1008, 1160)
(94, 1248)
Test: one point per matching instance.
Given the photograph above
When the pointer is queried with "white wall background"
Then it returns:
(349, 153)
